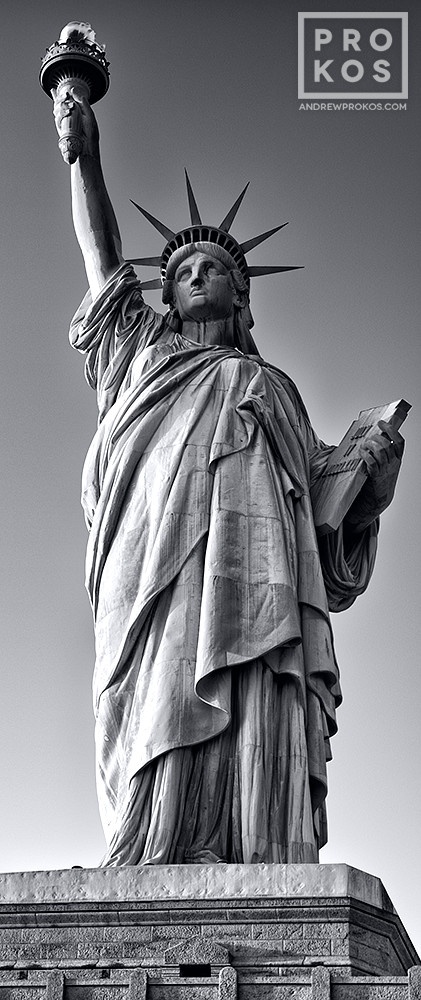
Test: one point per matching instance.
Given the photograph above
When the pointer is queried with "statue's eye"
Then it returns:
(184, 274)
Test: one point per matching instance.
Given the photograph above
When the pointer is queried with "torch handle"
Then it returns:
(71, 129)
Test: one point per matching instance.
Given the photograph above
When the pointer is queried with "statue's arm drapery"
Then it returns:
(110, 331)
(348, 561)
(347, 554)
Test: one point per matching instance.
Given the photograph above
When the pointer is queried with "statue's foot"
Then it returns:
(202, 858)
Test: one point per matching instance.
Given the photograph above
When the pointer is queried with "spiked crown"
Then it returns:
(197, 232)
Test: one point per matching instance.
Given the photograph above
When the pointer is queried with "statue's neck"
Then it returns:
(210, 332)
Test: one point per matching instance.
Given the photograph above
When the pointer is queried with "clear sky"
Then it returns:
(211, 87)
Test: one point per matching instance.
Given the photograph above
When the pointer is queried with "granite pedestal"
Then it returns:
(203, 932)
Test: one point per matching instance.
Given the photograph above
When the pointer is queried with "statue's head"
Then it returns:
(221, 261)
(203, 282)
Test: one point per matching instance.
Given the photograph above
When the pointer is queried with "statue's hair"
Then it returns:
(243, 319)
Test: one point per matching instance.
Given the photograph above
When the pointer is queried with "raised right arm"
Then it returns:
(93, 215)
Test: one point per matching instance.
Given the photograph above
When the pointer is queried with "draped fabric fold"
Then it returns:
(215, 667)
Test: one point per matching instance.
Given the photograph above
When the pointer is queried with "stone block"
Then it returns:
(320, 984)
(277, 932)
(336, 930)
(182, 991)
(95, 991)
(10, 935)
(142, 954)
(307, 947)
(270, 991)
(54, 985)
(339, 947)
(414, 977)
(87, 950)
(141, 934)
(198, 914)
(138, 984)
(227, 984)
(22, 992)
(197, 951)
(372, 954)
(168, 932)
(359, 988)
(224, 932)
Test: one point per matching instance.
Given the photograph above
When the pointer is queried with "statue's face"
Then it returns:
(204, 289)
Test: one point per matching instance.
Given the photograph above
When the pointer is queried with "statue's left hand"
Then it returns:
(382, 455)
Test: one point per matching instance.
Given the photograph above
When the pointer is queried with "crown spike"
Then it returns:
(254, 272)
(226, 224)
(154, 283)
(194, 211)
(146, 261)
(250, 244)
(167, 233)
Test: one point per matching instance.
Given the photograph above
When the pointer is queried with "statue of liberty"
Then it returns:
(216, 683)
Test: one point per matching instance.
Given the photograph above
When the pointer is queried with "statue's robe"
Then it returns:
(216, 682)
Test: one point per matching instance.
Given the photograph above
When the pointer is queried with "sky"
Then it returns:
(210, 87)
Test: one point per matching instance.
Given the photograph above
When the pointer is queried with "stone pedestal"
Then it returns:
(196, 932)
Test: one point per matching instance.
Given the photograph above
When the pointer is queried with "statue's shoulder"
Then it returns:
(283, 380)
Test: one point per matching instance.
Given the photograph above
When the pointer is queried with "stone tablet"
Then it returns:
(345, 472)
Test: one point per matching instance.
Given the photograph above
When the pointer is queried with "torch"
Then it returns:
(76, 60)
